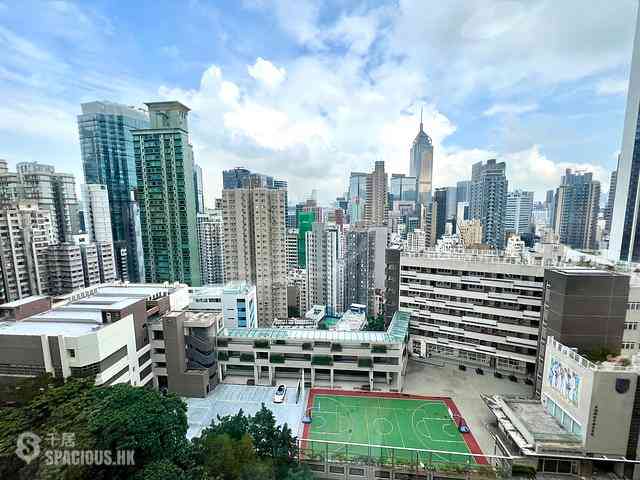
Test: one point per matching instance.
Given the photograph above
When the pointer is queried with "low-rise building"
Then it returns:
(585, 423)
(99, 331)
(236, 300)
(319, 356)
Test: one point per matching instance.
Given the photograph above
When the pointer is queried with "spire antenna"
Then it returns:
(420, 118)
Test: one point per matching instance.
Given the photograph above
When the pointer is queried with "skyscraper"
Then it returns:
(608, 209)
(403, 188)
(488, 200)
(255, 246)
(357, 197)
(440, 205)
(106, 146)
(624, 239)
(211, 241)
(323, 252)
(550, 205)
(375, 209)
(197, 186)
(463, 193)
(165, 190)
(518, 212)
(577, 202)
(421, 164)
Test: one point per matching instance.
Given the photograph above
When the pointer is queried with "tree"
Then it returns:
(226, 458)
(236, 426)
(375, 324)
(152, 424)
(301, 472)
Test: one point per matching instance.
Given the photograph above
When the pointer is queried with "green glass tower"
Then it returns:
(166, 192)
(305, 222)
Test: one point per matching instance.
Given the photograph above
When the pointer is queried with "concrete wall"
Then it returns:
(188, 384)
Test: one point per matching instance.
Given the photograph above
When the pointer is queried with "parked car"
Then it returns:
(281, 392)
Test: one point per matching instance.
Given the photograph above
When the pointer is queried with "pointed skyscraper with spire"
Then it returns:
(421, 164)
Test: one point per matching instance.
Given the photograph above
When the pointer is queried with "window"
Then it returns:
(71, 352)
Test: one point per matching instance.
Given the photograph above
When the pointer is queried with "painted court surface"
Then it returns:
(391, 420)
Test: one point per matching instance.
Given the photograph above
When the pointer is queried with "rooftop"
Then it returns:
(67, 329)
(396, 333)
(22, 301)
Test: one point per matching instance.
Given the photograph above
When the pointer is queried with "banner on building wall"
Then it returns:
(565, 381)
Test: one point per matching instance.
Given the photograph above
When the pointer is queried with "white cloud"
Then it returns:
(530, 169)
(266, 72)
(612, 86)
(510, 109)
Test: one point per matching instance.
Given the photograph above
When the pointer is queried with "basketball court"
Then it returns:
(381, 420)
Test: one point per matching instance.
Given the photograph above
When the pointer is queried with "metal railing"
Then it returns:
(328, 453)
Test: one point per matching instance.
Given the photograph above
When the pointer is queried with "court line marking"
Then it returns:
(444, 421)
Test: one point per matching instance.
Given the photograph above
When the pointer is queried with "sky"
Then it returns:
(308, 91)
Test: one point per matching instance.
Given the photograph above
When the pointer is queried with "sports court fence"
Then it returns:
(358, 460)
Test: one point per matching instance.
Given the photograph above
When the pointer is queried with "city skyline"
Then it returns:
(254, 102)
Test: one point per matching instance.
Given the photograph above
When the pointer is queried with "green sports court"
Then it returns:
(388, 420)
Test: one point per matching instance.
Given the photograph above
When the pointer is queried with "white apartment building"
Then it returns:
(97, 215)
(26, 231)
(211, 241)
(518, 212)
(473, 308)
(292, 249)
(323, 250)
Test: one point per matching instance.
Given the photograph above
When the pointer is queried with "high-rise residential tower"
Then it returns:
(375, 207)
(488, 200)
(27, 233)
(211, 241)
(577, 203)
(38, 183)
(255, 246)
(518, 212)
(364, 265)
(323, 253)
(165, 190)
(421, 164)
(106, 145)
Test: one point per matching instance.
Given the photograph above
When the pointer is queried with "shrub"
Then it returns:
(379, 349)
(365, 362)
(336, 347)
(277, 358)
(247, 357)
(261, 344)
(321, 360)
